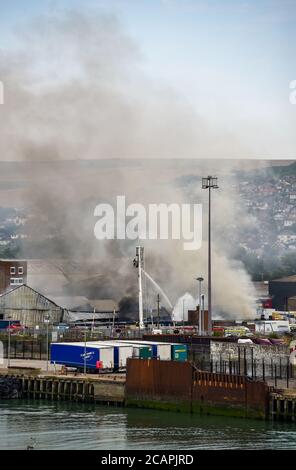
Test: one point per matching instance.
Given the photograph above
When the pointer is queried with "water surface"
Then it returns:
(62, 425)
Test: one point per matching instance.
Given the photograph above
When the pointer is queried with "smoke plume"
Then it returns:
(86, 125)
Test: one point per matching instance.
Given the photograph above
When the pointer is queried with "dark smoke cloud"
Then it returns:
(73, 92)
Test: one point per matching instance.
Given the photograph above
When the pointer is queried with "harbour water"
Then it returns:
(62, 425)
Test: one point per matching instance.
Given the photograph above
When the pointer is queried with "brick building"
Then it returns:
(13, 273)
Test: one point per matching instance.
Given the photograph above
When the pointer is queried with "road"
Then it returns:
(29, 363)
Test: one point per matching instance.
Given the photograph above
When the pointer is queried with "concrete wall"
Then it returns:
(109, 391)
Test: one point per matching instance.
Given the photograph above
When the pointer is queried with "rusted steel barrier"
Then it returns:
(179, 386)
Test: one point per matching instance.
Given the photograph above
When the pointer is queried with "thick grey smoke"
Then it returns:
(74, 92)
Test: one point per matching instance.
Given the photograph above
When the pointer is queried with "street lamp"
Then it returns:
(200, 280)
(210, 182)
(46, 320)
(183, 311)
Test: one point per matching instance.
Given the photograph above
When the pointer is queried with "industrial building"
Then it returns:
(81, 310)
(194, 317)
(12, 273)
(29, 306)
(281, 290)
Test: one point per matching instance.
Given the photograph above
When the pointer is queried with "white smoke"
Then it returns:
(184, 303)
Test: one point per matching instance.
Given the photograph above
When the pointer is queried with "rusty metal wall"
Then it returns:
(231, 392)
(257, 396)
(219, 389)
(154, 378)
(170, 380)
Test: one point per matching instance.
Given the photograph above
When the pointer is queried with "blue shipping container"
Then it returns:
(76, 355)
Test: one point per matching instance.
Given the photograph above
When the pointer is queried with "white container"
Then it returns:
(159, 350)
(136, 347)
(121, 352)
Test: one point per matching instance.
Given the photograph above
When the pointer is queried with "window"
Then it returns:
(12, 269)
(16, 281)
(20, 270)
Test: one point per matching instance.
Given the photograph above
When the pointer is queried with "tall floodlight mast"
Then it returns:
(139, 263)
(210, 182)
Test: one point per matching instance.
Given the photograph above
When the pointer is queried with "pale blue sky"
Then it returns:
(231, 59)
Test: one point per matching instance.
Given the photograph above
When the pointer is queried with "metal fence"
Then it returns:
(264, 369)
(29, 349)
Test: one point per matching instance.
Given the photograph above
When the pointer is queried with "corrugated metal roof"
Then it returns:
(25, 287)
(88, 316)
(70, 302)
(83, 304)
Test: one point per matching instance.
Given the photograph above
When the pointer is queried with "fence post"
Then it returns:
(287, 372)
(263, 369)
(275, 377)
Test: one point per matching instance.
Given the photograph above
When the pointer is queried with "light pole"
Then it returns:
(210, 182)
(85, 336)
(158, 311)
(200, 280)
(46, 320)
(8, 352)
(183, 311)
(138, 263)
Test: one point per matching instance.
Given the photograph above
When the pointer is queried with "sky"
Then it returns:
(231, 60)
